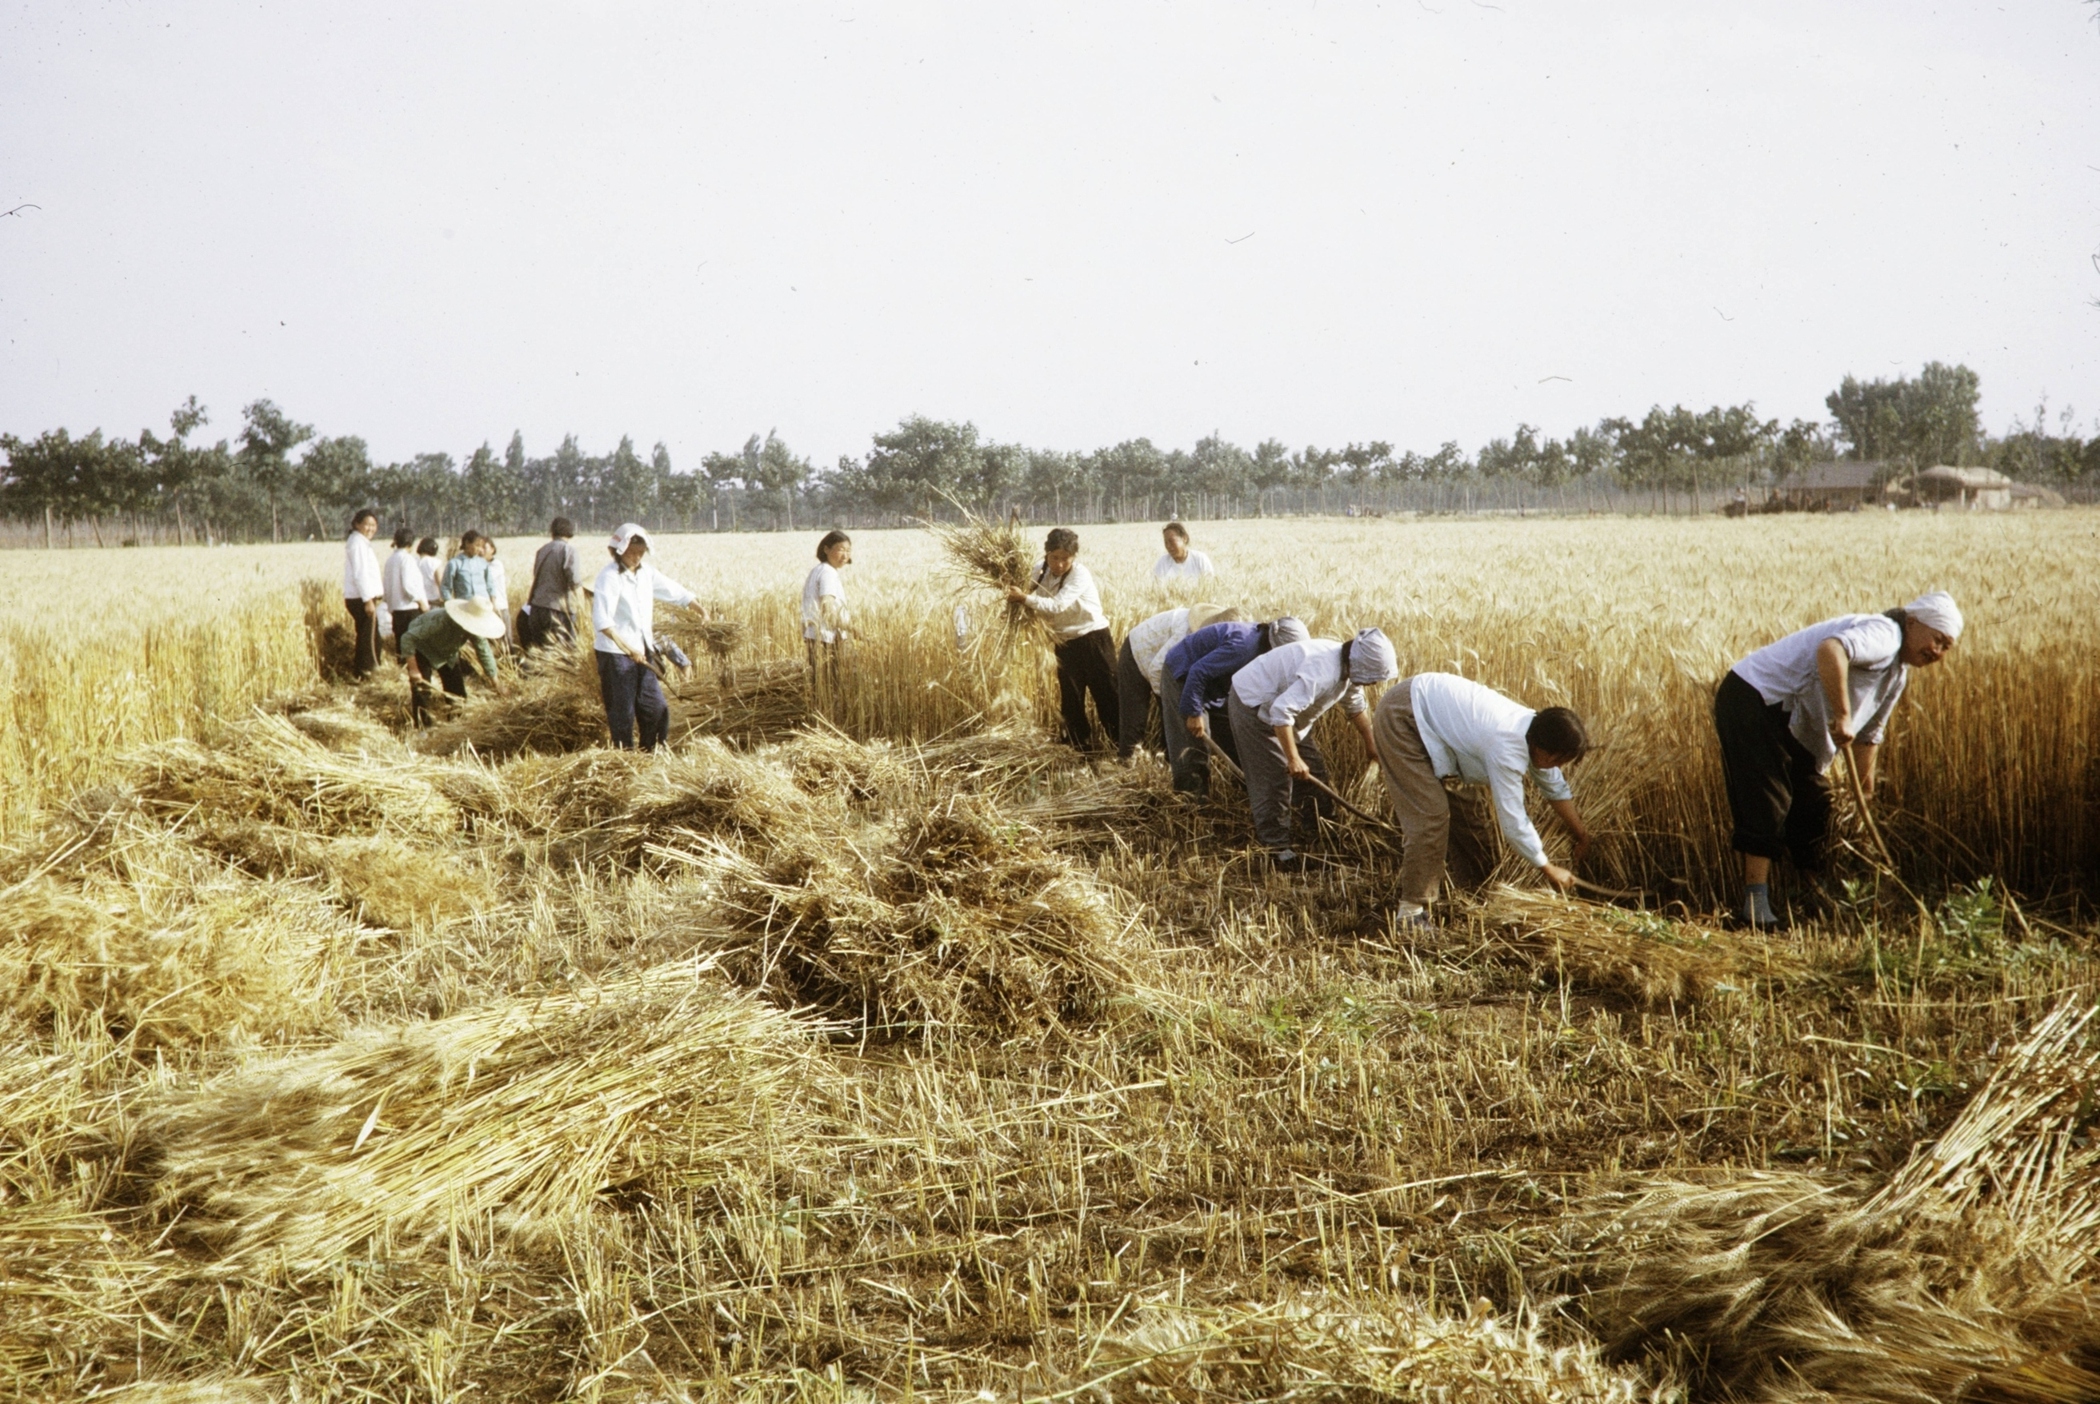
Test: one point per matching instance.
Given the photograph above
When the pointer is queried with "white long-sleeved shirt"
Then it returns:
(1476, 735)
(360, 569)
(624, 602)
(1194, 566)
(402, 581)
(1069, 604)
(429, 566)
(821, 584)
(1149, 640)
(1294, 685)
(1785, 675)
(499, 588)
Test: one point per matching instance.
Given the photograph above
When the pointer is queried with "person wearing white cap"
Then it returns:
(1435, 727)
(1195, 678)
(1273, 704)
(1783, 713)
(1140, 659)
(623, 600)
(430, 648)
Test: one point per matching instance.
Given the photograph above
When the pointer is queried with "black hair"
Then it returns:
(467, 538)
(831, 539)
(1178, 529)
(428, 546)
(1061, 539)
(561, 529)
(357, 518)
(403, 537)
(1559, 732)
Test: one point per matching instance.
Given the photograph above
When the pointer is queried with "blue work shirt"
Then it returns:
(1202, 664)
(467, 576)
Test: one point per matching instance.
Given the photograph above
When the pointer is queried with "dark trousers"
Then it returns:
(1271, 793)
(365, 661)
(1780, 801)
(632, 695)
(543, 626)
(402, 619)
(1087, 665)
(451, 675)
(1188, 758)
(1133, 703)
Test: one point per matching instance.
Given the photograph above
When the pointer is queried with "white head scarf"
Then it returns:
(628, 531)
(1287, 629)
(1371, 657)
(1936, 610)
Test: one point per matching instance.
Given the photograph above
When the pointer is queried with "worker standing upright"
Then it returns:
(557, 574)
(363, 591)
(1063, 592)
(623, 612)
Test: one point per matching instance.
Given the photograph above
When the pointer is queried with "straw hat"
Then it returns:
(1201, 615)
(477, 616)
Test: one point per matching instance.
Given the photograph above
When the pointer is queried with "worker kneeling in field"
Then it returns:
(1273, 704)
(1195, 678)
(1439, 726)
(431, 648)
(1140, 663)
(1784, 713)
(623, 612)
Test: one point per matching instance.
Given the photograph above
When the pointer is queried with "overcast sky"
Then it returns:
(1070, 224)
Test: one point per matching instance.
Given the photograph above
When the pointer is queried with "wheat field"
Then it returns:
(880, 1048)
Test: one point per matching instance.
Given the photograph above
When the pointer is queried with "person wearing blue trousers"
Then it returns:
(623, 600)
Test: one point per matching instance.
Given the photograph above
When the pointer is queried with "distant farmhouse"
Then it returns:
(1847, 485)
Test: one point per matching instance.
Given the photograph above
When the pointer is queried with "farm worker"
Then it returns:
(1140, 659)
(824, 614)
(1196, 675)
(402, 585)
(499, 581)
(1784, 713)
(427, 562)
(557, 574)
(1273, 704)
(362, 590)
(1179, 563)
(1438, 726)
(432, 644)
(466, 575)
(1063, 593)
(623, 609)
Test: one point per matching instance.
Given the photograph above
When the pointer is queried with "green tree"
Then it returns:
(337, 472)
(921, 461)
(779, 476)
(267, 441)
(1916, 423)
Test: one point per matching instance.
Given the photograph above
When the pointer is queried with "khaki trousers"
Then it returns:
(1427, 811)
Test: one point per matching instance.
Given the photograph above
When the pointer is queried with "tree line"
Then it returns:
(277, 479)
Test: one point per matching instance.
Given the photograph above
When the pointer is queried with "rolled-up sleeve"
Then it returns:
(1353, 703)
(1877, 725)
(1284, 707)
(1553, 785)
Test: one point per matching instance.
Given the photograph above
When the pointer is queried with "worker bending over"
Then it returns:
(1274, 702)
(1438, 726)
(1141, 660)
(623, 613)
(1784, 713)
(1195, 678)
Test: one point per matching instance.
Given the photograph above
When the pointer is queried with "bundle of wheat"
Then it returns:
(163, 944)
(1968, 1275)
(1650, 959)
(992, 555)
(1344, 1348)
(554, 708)
(692, 631)
(346, 730)
(526, 1110)
(962, 921)
(749, 704)
(268, 770)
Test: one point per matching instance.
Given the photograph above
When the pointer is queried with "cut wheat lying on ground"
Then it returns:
(876, 1046)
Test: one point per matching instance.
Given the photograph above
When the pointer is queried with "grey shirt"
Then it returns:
(556, 574)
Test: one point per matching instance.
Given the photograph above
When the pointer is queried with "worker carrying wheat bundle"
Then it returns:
(1435, 727)
(1273, 704)
(1062, 591)
(1785, 712)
